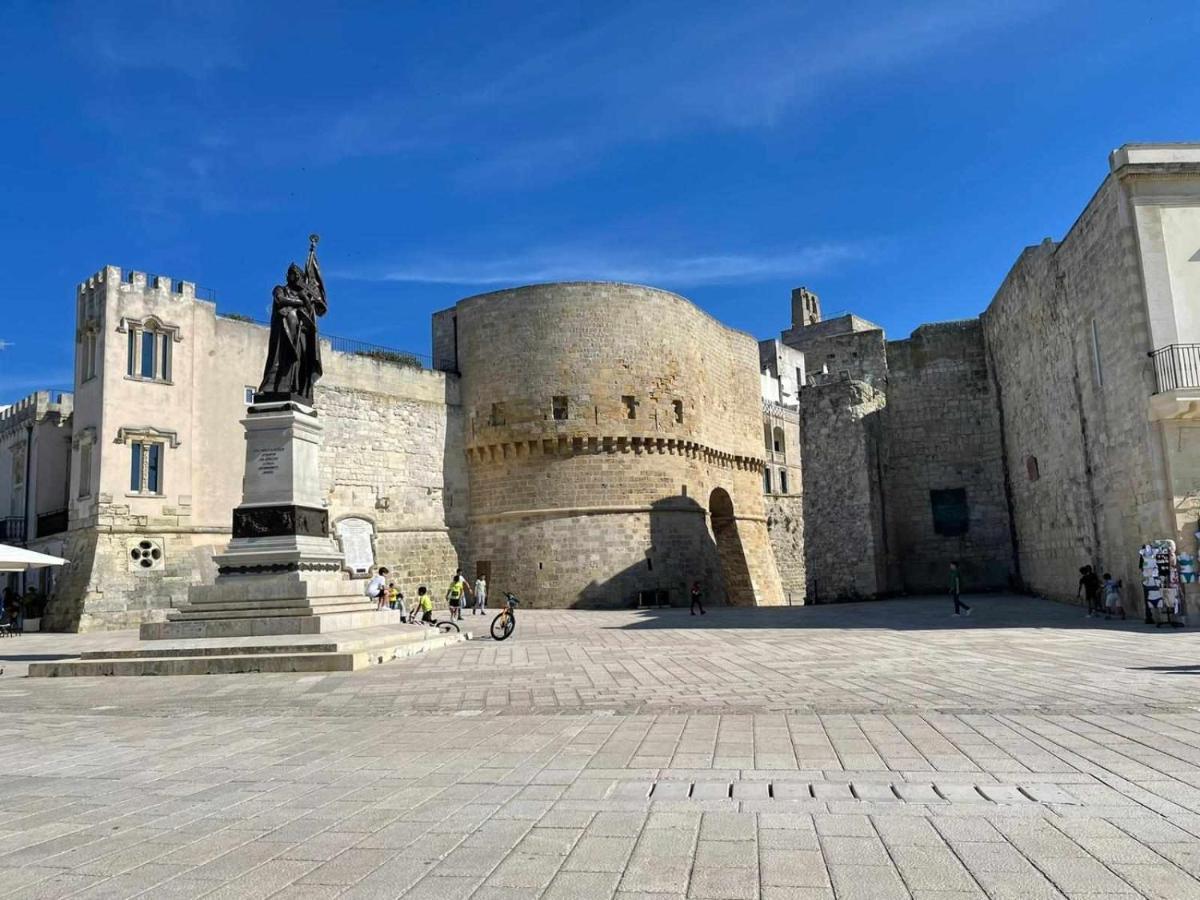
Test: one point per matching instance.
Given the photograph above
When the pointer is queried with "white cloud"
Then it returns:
(648, 74)
(574, 264)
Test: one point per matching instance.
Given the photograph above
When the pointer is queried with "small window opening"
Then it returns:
(677, 405)
(1031, 468)
(559, 408)
(630, 406)
(767, 481)
(783, 488)
(950, 514)
(497, 416)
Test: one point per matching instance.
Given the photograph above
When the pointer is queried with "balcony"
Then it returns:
(53, 522)
(12, 530)
(1176, 381)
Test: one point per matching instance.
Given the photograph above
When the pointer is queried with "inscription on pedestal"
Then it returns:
(277, 521)
(266, 461)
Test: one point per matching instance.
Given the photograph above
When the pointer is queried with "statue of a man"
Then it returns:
(294, 352)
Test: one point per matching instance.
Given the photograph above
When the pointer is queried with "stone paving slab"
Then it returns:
(867, 750)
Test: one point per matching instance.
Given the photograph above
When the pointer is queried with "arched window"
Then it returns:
(148, 355)
(777, 440)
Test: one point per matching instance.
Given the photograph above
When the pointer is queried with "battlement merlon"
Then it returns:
(138, 281)
(35, 407)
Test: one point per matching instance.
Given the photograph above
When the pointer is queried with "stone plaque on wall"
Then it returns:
(355, 535)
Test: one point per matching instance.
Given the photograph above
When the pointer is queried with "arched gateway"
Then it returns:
(735, 573)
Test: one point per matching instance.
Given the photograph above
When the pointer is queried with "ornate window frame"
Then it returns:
(88, 338)
(147, 435)
(165, 336)
(86, 438)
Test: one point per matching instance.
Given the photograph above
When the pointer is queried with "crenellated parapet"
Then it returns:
(116, 278)
(36, 407)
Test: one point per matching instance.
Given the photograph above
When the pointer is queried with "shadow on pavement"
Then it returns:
(988, 611)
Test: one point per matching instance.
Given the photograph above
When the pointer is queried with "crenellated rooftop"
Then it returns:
(36, 407)
(146, 281)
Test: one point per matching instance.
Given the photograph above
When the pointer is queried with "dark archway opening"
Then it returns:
(735, 573)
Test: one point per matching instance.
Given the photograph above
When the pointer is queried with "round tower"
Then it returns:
(614, 447)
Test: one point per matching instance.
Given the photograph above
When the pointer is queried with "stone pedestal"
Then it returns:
(282, 524)
(282, 572)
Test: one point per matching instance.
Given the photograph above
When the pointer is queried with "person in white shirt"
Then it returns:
(480, 595)
(377, 588)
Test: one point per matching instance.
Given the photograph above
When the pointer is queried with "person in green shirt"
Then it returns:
(956, 588)
(425, 605)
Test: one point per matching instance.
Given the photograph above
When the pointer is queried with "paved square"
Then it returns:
(868, 750)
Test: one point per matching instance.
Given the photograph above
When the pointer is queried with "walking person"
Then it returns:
(1112, 598)
(454, 594)
(956, 589)
(1089, 587)
(480, 595)
(377, 588)
(696, 595)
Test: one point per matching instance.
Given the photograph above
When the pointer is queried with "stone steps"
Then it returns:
(217, 606)
(194, 613)
(304, 622)
(347, 652)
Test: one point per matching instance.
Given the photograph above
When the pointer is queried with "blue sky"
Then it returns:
(894, 157)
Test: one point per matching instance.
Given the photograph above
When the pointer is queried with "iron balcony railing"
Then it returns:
(12, 530)
(1176, 366)
(356, 347)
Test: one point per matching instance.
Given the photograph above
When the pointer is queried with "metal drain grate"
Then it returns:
(876, 792)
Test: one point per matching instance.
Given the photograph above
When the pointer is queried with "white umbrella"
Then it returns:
(16, 559)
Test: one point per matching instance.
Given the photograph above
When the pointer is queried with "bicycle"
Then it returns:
(504, 624)
(445, 626)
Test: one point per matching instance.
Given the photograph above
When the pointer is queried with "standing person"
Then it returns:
(377, 588)
(956, 589)
(696, 595)
(480, 595)
(1089, 586)
(1112, 598)
(454, 594)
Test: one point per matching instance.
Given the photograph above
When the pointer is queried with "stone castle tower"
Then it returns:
(612, 444)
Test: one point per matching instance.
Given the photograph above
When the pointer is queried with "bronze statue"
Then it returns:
(294, 351)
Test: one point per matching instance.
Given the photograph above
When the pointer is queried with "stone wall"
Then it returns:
(614, 420)
(941, 432)
(1068, 338)
(784, 495)
(845, 545)
(855, 355)
(785, 526)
